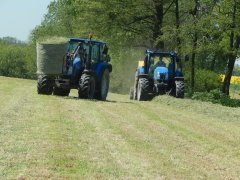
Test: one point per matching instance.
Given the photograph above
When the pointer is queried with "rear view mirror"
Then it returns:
(186, 58)
(108, 58)
(178, 59)
(105, 49)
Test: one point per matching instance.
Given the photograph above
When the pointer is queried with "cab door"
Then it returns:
(95, 58)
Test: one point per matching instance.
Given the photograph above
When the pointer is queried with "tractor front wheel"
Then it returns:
(143, 89)
(44, 85)
(179, 89)
(86, 87)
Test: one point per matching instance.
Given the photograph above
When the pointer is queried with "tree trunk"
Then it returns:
(195, 39)
(193, 62)
(228, 75)
(213, 63)
(158, 21)
(232, 55)
(177, 35)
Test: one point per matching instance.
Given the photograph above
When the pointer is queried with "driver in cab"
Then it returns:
(153, 66)
(160, 63)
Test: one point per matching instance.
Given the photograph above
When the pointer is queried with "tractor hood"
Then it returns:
(161, 73)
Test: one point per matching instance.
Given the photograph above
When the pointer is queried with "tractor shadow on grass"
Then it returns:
(113, 101)
(71, 97)
(96, 100)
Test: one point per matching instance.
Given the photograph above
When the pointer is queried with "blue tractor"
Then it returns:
(85, 67)
(158, 74)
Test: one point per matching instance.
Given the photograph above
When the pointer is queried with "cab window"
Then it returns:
(95, 53)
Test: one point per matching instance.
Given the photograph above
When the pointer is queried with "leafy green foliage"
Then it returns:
(17, 60)
(205, 80)
(216, 97)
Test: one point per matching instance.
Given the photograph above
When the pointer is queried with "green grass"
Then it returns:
(50, 137)
(235, 91)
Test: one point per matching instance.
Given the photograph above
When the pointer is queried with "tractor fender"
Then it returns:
(109, 67)
(89, 72)
(99, 74)
(178, 73)
(140, 70)
(179, 79)
(101, 68)
(143, 76)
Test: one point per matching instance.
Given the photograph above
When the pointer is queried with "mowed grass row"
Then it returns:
(53, 137)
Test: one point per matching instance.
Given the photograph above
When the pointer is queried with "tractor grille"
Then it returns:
(162, 76)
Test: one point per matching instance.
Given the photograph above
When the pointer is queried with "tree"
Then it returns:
(200, 28)
(234, 46)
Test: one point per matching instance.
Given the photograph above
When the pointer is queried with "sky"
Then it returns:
(238, 61)
(19, 17)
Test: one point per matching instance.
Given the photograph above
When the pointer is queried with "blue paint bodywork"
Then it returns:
(100, 66)
(169, 72)
(158, 73)
(76, 67)
(161, 73)
(141, 71)
(178, 73)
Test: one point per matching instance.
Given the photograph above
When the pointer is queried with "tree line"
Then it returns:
(207, 30)
(17, 59)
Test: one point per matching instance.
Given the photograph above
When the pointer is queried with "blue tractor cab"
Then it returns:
(86, 67)
(157, 74)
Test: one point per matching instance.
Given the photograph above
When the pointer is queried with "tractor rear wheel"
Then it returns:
(143, 89)
(86, 87)
(179, 89)
(60, 91)
(44, 85)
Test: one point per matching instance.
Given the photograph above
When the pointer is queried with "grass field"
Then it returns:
(235, 91)
(50, 137)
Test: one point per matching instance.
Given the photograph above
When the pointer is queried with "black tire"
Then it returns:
(104, 85)
(131, 93)
(45, 85)
(86, 86)
(135, 86)
(60, 91)
(143, 89)
(179, 89)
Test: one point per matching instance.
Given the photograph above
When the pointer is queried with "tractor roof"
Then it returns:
(164, 53)
(85, 40)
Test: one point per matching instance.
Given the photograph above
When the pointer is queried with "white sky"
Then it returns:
(19, 17)
(238, 61)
